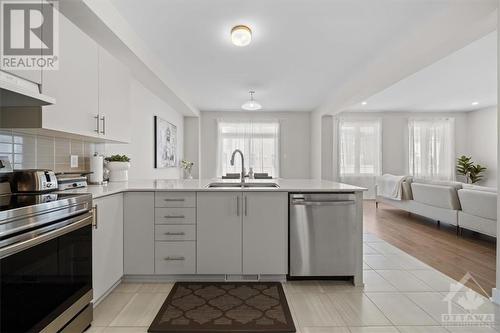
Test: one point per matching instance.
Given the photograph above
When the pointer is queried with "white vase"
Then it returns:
(118, 171)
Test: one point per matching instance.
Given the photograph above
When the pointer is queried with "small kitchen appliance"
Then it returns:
(34, 180)
(67, 181)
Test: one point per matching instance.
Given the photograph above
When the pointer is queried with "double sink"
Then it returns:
(242, 185)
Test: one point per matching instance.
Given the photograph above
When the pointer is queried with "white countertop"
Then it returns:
(285, 185)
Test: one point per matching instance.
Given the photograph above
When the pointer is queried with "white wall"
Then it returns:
(192, 143)
(144, 105)
(481, 137)
(294, 141)
(316, 153)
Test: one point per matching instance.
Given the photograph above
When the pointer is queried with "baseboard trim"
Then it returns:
(194, 278)
(495, 296)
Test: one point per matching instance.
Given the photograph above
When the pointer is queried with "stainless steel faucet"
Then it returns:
(242, 163)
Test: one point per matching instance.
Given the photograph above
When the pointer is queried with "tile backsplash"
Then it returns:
(29, 151)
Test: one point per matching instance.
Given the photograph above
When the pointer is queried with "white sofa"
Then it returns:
(461, 205)
(479, 209)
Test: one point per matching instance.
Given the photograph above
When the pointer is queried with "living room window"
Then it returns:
(431, 148)
(359, 149)
(258, 140)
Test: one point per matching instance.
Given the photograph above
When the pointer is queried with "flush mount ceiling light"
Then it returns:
(475, 103)
(364, 103)
(241, 35)
(251, 105)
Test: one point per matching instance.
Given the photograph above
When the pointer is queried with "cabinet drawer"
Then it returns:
(175, 216)
(175, 232)
(175, 199)
(175, 257)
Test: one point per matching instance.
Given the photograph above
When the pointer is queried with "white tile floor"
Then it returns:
(401, 294)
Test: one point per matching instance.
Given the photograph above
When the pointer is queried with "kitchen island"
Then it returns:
(170, 230)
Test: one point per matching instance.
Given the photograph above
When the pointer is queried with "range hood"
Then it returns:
(18, 92)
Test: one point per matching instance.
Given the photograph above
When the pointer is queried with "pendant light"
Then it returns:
(251, 104)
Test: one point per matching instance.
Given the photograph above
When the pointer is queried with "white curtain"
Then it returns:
(258, 140)
(431, 148)
(360, 152)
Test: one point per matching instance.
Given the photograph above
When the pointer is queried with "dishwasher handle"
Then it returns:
(302, 202)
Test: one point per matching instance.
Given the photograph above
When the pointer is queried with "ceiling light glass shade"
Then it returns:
(241, 35)
(251, 105)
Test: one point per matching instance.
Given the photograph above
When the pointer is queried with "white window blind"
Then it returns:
(431, 148)
(258, 140)
(359, 147)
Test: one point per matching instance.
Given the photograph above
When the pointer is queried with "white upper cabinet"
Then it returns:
(114, 98)
(91, 88)
(74, 85)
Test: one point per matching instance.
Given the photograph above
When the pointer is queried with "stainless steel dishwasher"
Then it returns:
(322, 235)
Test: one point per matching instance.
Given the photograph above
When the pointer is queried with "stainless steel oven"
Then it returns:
(45, 263)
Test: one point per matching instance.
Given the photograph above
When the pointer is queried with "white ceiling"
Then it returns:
(302, 51)
(453, 83)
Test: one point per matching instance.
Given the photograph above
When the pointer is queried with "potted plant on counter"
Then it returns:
(118, 166)
(187, 166)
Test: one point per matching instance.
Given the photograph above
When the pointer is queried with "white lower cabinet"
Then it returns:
(242, 233)
(265, 233)
(173, 258)
(219, 232)
(139, 233)
(107, 249)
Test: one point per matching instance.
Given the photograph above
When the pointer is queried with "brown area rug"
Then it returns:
(243, 307)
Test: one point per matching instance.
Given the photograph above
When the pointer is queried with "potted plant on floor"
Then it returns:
(118, 166)
(472, 172)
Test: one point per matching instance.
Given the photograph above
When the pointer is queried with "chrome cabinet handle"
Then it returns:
(103, 118)
(175, 233)
(94, 217)
(174, 216)
(177, 199)
(246, 205)
(237, 206)
(97, 129)
(174, 258)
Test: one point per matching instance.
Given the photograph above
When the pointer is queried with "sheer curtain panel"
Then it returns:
(360, 152)
(258, 140)
(432, 148)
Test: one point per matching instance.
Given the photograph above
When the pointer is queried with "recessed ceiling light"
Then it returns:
(251, 104)
(364, 103)
(241, 35)
(475, 103)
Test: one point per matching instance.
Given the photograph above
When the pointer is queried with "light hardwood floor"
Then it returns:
(437, 246)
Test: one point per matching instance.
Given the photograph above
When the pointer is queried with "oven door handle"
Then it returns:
(67, 226)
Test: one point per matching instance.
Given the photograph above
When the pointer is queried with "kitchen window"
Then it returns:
(431, 148)
(359, 148)
(258, 140)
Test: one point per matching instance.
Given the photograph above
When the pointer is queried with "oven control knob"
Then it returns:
(49, 184)
(75, 184)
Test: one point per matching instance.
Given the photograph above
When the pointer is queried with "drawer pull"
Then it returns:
(174, 216)
(174, 258)
(175, 233)
(179, 199)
